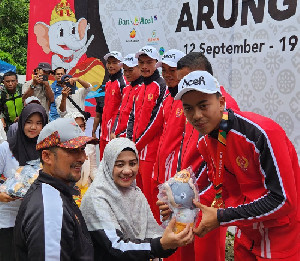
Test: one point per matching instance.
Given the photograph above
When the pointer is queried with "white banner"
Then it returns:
(253, 46)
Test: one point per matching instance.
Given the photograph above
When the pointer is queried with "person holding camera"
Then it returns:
(39, 86)
(72, 98)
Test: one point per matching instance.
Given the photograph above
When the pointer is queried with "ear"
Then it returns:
(42, 37)
(47, 157)
(222, 103)
(82, 24)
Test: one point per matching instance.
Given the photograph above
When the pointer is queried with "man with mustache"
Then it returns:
(49, 225)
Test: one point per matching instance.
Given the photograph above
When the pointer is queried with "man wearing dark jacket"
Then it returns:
(49, 225)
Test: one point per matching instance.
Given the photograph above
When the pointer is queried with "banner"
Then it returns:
(66, 33)
(253, 45)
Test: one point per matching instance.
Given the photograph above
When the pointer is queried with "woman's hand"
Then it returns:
(4, 197)
(170, 240)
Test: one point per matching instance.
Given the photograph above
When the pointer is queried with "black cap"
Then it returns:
(45, 66)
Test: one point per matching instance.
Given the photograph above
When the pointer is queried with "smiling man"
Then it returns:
(113, 97)
(145, 124)
(49, 225)
(253, 168)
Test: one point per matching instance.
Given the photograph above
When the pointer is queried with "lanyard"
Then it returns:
(219, 173)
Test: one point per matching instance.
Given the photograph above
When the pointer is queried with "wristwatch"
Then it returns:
(32, 86)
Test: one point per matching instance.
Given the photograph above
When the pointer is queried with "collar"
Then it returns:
(152, 78)
(137, 81)
(173, 91)
(115, 76)
(227, 127)
(56, 183)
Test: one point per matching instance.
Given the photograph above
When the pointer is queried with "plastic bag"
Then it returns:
(178, 192)
(23, 177)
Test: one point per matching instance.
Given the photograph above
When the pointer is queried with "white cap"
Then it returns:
(171, 58)
(115, 54)
(32, 99)
(130, 60)
(148, 50)
(201, 81)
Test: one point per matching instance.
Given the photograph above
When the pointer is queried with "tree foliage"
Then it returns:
(14, 32)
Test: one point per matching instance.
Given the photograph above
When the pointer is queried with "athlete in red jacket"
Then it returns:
(146, 121)
(113, 96)
(178, 150)
(133, 75)
(254, 171)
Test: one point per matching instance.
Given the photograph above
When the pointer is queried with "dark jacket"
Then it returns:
(49, 225)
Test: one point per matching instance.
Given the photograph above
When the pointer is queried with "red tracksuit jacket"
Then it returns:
(261, 184)
(145, 124)
(172, 140)
(113, 97)
(129, 93)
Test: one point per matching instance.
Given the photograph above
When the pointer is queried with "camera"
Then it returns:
(45, 77)
(65, 80)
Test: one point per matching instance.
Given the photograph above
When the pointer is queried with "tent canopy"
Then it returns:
(6, 67)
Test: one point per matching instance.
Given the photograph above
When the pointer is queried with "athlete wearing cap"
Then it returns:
(49, 224)
(133, 76)
(113, 96)
(180, 151)
(254, 172)
(145, 124)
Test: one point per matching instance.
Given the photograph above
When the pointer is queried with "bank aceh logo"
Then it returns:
(198, 81)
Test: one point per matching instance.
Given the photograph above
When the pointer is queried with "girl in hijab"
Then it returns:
(117, 213)
(16, 151)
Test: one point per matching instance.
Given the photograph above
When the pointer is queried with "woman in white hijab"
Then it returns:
(117, 213)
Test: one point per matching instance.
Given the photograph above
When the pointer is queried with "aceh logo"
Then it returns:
(198, 81)
(128, 59)
(169, 56)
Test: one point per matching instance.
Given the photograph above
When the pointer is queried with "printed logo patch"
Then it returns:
(179, 112)
(150, 96)
(242, 162)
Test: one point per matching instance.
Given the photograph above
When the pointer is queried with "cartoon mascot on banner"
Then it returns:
(66, 39)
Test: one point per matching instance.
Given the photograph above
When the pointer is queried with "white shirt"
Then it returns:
(8, 165)
(78, 98)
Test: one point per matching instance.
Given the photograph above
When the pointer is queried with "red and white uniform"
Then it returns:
(260, 188)
(129, 93)
(173, 148)
(113, 97)
(146, 125)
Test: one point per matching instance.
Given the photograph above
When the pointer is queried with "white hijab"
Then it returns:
(106, 206)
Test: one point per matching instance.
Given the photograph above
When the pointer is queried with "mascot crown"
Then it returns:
(182, 176)
(62, 12)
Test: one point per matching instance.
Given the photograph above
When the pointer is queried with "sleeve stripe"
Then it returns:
(53, 216)
(156, 109)
(272, 201)
(271, 152)
(117, 243)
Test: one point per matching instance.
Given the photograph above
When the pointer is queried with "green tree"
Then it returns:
(14, 32)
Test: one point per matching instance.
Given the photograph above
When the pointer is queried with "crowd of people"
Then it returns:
(152, 125)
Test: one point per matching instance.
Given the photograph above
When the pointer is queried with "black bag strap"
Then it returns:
(84, 113)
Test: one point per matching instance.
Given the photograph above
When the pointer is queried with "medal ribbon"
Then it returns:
(219, 174)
